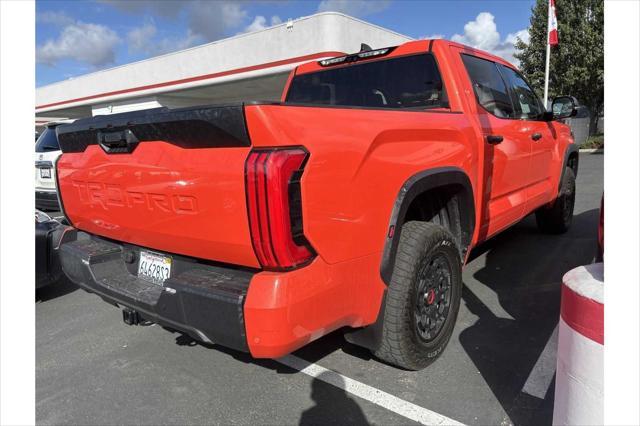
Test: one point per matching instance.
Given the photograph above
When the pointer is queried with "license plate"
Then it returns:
(45, 173)
(154, 267)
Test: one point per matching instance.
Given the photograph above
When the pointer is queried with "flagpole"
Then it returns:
(546, 69)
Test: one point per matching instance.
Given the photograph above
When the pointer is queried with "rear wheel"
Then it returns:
(423, 297)
(557, 218)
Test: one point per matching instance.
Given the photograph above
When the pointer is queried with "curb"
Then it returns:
(591, 150)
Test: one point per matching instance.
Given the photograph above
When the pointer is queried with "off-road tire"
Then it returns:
(556, 219)
(421, 244)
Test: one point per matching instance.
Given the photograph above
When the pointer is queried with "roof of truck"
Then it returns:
(407, 48)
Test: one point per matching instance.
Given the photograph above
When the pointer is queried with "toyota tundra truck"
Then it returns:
(352, 203)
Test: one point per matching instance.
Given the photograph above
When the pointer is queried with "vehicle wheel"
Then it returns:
(557, 218)
(423, 297)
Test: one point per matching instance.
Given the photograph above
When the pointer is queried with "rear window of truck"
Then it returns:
(397, 83)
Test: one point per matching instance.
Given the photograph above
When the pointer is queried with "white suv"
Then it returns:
(47, 152)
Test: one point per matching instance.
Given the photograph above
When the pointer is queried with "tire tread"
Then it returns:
(551, 219)
(397, 346)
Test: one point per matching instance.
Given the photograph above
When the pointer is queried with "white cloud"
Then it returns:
(93, 44)
(55, 18)
(431, 37)
(213, 19)
(164, 8)
(353, 7)
(208, 19)
(260, 23)
(166, 45)
(143, 39)
(140, 38)
(482, 33)
(513, 37)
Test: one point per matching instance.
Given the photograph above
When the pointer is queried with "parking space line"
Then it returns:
(542, 372)
(369, 393)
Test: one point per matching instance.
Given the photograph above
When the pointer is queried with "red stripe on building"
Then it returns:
(198, 78)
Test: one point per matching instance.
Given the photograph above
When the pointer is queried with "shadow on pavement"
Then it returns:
(188, 341)
(312, 353)
(524, 268)
(332, 404)
(59, 288)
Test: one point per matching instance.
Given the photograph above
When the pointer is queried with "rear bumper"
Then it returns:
(47, 200)
(268, 314)
(201, 300)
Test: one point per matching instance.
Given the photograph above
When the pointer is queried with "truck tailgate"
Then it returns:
(170, 180)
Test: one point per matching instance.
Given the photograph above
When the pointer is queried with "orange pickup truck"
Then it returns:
(353, 202)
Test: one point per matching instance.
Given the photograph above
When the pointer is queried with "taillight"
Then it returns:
(275, 209)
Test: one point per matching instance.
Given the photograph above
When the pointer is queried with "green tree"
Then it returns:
(577, 62)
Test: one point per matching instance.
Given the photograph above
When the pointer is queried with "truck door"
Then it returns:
(540, 135)
(507, 154)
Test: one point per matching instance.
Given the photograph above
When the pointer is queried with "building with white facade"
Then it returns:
(251, 66)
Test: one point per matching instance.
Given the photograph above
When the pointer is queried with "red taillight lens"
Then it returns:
(273, 201)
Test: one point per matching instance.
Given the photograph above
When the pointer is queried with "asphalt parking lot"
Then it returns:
(498, 368)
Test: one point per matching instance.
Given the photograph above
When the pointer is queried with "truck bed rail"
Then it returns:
(209, 126)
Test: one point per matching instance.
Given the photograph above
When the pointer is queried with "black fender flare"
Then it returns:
(571, 148)
(414, 186)
(371, 335)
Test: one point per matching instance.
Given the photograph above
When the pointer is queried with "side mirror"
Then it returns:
(564, 107)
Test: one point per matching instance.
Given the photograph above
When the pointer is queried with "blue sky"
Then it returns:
(78, 37)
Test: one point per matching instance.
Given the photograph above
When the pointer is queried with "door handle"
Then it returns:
(536, 136)
(494, 139)
(117, 142)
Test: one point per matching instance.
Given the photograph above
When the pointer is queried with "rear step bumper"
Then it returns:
(202, 300)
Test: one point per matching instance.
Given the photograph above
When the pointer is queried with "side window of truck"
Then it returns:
(527, 104)
(489, 87)
(396, 83)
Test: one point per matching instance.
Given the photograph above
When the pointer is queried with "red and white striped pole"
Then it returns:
(580, 364)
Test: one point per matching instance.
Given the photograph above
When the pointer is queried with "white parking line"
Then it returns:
(542, 373)
(383, 399)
